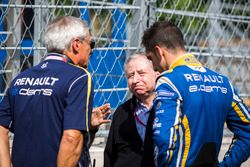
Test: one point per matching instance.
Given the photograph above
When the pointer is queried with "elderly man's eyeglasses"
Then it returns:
(92, 44)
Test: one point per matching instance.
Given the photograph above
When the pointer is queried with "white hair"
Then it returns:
(62, 31)
(135, 56)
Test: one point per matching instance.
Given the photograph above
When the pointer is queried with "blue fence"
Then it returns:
(3, 36)
(109, 61)
(106, 65)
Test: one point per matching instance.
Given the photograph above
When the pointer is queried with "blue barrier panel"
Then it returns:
(84, 13)
(116, 58)
(107, 66)
(27, 43)
(3, 36)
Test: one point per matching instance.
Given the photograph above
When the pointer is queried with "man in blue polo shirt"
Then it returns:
(48, 107)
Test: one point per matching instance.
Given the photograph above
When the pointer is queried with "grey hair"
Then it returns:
(135, 56)
(62, 31)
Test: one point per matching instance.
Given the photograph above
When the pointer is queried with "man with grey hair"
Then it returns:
(49, 106)
(129, 142)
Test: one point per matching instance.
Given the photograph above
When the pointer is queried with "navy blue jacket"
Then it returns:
(124, 147)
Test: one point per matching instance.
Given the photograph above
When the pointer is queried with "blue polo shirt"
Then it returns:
(141, 118)
(40, 104)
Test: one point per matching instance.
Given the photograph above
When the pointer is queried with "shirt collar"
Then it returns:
(140, 105)
(186, 59)
(58, 56)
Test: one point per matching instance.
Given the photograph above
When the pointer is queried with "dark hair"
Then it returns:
(163, 33)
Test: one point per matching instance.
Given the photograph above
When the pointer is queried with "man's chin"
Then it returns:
(140, 93)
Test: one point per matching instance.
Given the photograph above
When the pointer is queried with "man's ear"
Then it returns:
(159, 52)
(157, 73)
(75, 46)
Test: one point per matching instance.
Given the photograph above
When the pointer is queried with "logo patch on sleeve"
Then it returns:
(158, 105)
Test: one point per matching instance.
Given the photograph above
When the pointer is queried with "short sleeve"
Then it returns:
(79, 103)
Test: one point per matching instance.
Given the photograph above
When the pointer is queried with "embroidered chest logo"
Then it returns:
(44, 65)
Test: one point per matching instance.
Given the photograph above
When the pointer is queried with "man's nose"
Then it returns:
(136, 78)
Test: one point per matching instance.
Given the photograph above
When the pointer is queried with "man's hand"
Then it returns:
(98, 116)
